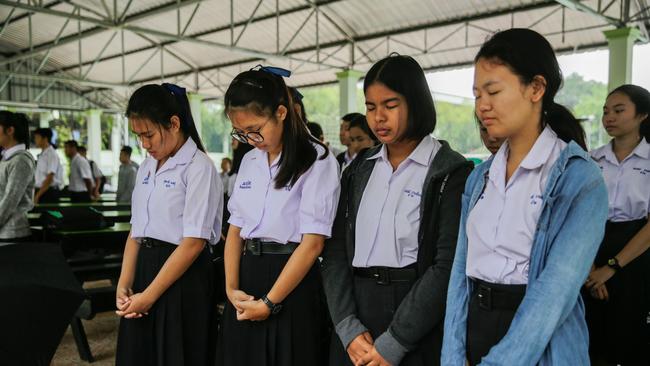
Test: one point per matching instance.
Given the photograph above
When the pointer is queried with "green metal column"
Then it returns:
(348, 91)
(621, 42)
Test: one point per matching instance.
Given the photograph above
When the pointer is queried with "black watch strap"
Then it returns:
(275, 308)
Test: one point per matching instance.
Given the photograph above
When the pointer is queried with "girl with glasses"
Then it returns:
(281, 211)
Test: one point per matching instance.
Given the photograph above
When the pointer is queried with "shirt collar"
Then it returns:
(541, 150)
(185, 154)
(642, 150)
(6, 154)
(421, 154)
(262, 158)
(535, 158)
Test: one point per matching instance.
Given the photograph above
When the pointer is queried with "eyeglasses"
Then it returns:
(254, 136)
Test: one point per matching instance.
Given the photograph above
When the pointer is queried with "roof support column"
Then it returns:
(94, 135)
(196, 101)
(621, 42)
(348, 91)
(44, 119)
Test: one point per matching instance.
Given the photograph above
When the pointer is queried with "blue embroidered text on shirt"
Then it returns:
(535, 199)
(169, 183)
(146, 179)
(411, 193)
(245, 185)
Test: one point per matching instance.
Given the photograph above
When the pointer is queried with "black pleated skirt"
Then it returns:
(291, 337)
(376, 305)
(181, 326)
(619, 328)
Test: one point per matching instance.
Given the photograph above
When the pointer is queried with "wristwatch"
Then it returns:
(275, 308)
(613, 263)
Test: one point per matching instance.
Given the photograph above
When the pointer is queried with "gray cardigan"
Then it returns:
(422, 310)
(16, 194)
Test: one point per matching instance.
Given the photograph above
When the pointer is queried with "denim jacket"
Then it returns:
(549, 326)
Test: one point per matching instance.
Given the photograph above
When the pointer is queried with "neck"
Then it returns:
(399, 151)
(625, 144)
(522, 142)
(178, 146)
(274, 153)
(10, 144)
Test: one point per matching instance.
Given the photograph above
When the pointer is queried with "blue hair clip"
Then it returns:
(174, 89)
(277, 71)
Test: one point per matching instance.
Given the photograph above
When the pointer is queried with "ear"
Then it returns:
(281, 113)
(538, 88)
(175, 123)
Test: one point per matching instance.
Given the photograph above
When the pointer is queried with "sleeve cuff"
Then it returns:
(237, 221)
(389, 348)
(320, 229)
(197, 232)
(348, 329)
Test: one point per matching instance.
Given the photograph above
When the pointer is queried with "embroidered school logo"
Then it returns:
(410, 193)
(642, 171)
(535, 199)
(169, 183)
(146, 179)
(245, 185)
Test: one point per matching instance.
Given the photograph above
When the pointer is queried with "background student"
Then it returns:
(126, 176)
(49, 171)
(386, 267)
(81, 181)
(16, 177)
(281, 211)
(618, 310)
(165, 294)
(532, 218)
(98, 177)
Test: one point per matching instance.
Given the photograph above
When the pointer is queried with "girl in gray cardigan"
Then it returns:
(16, 178)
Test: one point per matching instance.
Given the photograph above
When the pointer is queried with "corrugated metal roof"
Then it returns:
(350, 34)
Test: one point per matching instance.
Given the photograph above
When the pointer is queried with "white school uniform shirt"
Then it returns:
(79, 170)
(284, 215)
(628, 181)
(183, 199)
(48, 162)
(6, 154)
(388, 219)
(501, 226)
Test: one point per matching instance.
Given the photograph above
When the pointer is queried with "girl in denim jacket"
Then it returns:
(531, 221)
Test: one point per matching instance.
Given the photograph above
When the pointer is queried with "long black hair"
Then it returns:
(403, 75)
(20, 124)
(261, 93)
(159, 103)
(640, 97)
(528, 54)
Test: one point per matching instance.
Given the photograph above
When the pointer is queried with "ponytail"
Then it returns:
(564, 124)
(640, 97)
(159, 103)
(187, 121)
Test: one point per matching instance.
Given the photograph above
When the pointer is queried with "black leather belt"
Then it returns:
(153, 243)
(388, 275)
(259, 247)
(498, 296)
